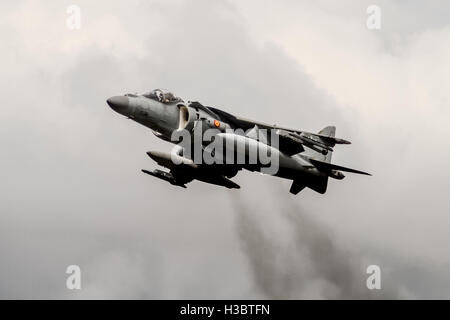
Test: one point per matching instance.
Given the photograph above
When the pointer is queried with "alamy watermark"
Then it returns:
(373, 21)
(254, 147)
(73, 281)
(374, 279)
(73, 21)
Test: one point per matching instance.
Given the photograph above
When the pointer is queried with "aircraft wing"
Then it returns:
(291, 140)
(326, 139)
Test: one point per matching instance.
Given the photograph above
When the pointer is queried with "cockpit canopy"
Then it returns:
(162, 96)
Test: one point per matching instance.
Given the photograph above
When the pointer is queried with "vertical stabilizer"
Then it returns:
(329, 131)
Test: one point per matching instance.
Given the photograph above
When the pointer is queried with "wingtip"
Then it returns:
(342, 141)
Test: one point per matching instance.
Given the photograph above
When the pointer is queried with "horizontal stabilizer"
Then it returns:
(329, 131)
(328, 167)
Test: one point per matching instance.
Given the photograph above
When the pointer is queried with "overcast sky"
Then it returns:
(72, 191)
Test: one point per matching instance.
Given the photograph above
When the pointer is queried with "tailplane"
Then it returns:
(321, 159)
(329, 131)
(322, 138)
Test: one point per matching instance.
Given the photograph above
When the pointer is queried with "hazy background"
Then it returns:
(71, 190)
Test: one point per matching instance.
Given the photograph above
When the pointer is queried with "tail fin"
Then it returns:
(329, 131)
(318, 184)
(323, 163)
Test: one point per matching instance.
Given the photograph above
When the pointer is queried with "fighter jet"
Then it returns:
(300, 156)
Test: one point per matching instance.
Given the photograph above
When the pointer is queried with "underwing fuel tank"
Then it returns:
(169, 160)
(241, 149)
(254, 154)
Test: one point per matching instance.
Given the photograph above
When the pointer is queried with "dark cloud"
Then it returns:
(312, 264)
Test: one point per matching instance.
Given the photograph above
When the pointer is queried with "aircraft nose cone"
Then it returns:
(118, 103)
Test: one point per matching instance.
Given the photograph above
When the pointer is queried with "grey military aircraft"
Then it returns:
(300, 156)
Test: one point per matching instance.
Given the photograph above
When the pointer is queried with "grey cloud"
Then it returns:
(312, 265)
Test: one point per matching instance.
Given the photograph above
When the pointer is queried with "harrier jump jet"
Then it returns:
(303, 157)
